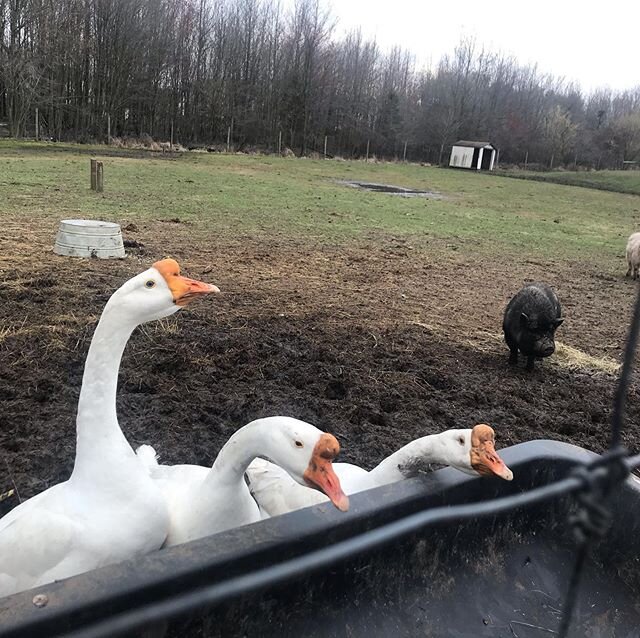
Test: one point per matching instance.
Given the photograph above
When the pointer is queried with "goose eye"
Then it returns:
(149, 283)
(299, 444)
(461, 440)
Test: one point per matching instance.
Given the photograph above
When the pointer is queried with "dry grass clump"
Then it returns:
(569, 357)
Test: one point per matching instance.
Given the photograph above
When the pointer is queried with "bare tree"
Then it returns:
(207, 68)
(626, 136)
(559, 133)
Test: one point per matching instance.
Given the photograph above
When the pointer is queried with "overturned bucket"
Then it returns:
(89, 238)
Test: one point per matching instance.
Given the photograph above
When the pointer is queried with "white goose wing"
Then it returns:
(353, 478)
(181, 486)
(173, 480)
(276, 492)
(39, 543)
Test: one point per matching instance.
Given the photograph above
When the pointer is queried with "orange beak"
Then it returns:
(186, 290)
(320, 474)
(484, 458)
(183, 289)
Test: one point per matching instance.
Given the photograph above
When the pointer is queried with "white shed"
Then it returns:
(475, 155)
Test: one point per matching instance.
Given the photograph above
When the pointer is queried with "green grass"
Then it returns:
(615, 181)
(239, 193)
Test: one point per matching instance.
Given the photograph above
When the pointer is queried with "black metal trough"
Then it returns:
(503, 575)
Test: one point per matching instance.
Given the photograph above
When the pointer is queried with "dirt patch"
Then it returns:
(379, 342)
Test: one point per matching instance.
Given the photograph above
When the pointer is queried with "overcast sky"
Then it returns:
(594, 43)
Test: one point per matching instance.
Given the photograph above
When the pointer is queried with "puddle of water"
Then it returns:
(391, 190)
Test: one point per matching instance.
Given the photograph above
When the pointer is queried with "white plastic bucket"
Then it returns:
(89, 238)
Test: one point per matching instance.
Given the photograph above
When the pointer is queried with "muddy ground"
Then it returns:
(379, 341)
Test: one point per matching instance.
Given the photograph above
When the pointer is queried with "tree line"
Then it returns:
(206, 71)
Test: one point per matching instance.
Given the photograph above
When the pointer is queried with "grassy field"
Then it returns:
(615, 181)
(239, 193)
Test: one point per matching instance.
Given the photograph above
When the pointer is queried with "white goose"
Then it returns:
(204, 501)
(470, 450)
(109, 509)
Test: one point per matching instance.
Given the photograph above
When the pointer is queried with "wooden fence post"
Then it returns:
(99, 177)
(228, 138)
(325, 147)
(94, 171)
(280, 143)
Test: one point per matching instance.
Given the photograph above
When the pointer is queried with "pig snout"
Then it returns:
(545, 348)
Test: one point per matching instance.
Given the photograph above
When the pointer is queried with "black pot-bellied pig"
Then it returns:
(530, 322)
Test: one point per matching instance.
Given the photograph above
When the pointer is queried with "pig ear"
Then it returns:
(524, 318)
(557, 322)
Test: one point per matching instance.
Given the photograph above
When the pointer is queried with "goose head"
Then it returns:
(306, 453)
(156, 293)
(473, 451)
